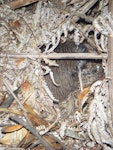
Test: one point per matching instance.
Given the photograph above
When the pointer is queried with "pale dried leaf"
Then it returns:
(14, 137)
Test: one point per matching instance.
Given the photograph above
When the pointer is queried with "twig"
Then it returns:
(20, 3)
(32, 130)
(9, 99)
(57, 56)
(8, 86)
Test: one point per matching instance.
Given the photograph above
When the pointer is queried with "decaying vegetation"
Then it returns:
(31, 117)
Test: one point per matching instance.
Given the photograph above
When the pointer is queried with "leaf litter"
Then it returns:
(33, 118)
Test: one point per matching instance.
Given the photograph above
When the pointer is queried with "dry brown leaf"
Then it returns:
(83, 93)
(34, 117)
(13, 137)
(12, 128)
(37, 120)
(28, 93)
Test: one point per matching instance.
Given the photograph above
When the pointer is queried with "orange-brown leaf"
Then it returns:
(83, 93)
(12, 128)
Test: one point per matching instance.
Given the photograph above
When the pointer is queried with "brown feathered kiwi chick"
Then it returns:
(67, 73)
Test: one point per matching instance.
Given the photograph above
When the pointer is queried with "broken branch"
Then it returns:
(32, 130)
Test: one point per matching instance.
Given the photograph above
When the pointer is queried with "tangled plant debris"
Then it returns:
(31, 117)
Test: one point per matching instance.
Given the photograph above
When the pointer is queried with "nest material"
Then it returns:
(80, 122)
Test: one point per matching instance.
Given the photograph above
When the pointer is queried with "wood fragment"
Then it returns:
(20, 3)
(32, 130)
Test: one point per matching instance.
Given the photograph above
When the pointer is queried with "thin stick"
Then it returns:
(32, 130)
(8, 101)
(9, 87)
(20, 3)
(57, 56)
